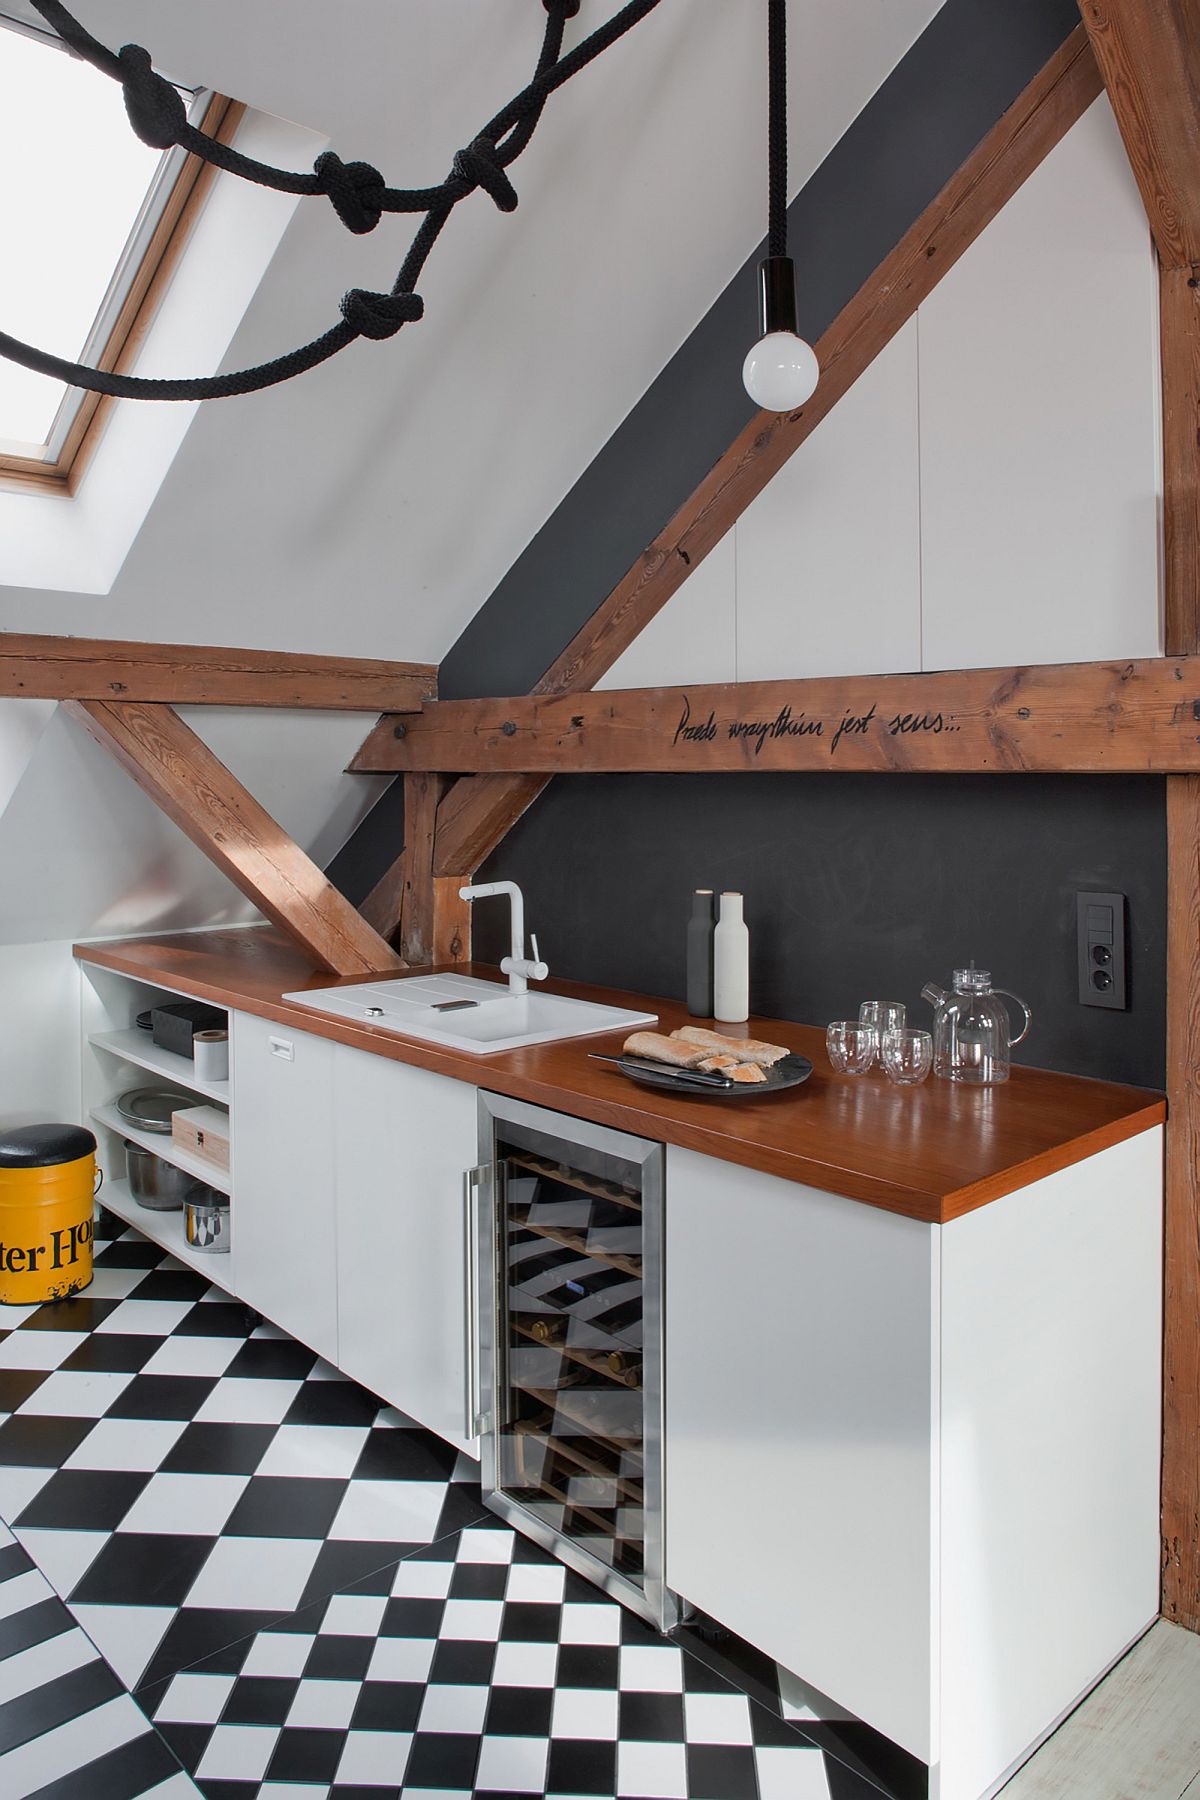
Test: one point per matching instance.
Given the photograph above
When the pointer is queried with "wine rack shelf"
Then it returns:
(583, 1242)
(585, 1184)
(600, 1362)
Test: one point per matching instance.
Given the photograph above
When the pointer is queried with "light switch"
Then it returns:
(1100, 937)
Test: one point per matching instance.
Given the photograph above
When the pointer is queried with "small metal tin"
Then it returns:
(206, 1222)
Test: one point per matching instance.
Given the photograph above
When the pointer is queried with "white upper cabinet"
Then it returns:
(694, 637)
(1039, 424)
(829, 555)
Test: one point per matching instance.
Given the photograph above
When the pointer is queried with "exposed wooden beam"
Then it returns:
(1149, 55)
(1181, 1346)
(1180, 340)
(451, 921)
(65, 668)
(182, 776)
(421, 795)
(1079, 717)
(479, 812)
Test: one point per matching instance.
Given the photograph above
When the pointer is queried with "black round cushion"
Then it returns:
(42, 1146)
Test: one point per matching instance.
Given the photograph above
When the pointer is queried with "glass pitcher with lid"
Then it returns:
(972, 1028)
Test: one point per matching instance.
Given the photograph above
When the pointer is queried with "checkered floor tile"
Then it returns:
(304, 1593)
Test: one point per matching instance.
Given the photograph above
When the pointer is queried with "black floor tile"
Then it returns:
(333, 1403)
(214, 1318)
(34, 1714)
(582, 1766)
(16, 1385)
(272, 1359)
(286, 1506)
(198, 1633)
(337, 1658)
(33, 1625)
(41, 1443)
(442, 1759)
(398, 1455)
(143, 1569)
(260, 1700)
(306, 1754)
(479, 1581)
(461, 1662)
(519, 1712)
(218, 1449)
(77, 1314)
(163, 1397)
(125, 1773)
(588, 1666)
(172, 1284)
(343, 1564)
(657, 1718)
(84, 1500)
(721, 1772)
(388, 1706)
(128, 1253)
(531, 1623)
(112, 1352)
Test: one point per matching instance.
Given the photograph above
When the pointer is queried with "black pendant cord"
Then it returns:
(777, 144)
(356, 189)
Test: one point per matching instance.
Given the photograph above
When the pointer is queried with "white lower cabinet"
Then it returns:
(285, 1248)
(404, 1140)
(918, 1465)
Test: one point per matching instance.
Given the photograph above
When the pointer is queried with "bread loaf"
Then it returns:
(656, 1047)
(747, 1050)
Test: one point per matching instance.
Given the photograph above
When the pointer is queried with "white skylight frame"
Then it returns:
(54, 465)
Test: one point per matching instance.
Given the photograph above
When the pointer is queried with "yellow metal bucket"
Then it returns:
(47, 1186)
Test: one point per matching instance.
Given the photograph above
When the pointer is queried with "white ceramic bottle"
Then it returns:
(731, 963)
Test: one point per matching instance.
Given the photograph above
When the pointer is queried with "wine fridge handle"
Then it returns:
(477, 1419)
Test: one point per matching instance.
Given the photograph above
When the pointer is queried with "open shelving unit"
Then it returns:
(115, 1053)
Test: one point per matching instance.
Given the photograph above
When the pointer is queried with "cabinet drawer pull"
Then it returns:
(283, 1048)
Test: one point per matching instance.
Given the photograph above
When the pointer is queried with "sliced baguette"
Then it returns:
(655, 1046)
(747, 1050)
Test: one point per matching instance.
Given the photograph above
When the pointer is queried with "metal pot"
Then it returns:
(157, 1185)
(206, 1221)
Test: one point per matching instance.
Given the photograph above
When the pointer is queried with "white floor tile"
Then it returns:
(43, 1663)
(585, 1713)
(12, 1316)
(193, 1356)
(126, 1636)
(48, 1758)
(278, 1653)
(195, 1699)
(187, 1505)
(472, 1619)
(142, 1318)
(400, 1512)
(324, 1705)
(355, 1615)
(512, 1765)
(791, 1774)
(176, 1787)
(401, 1659)
(652, 1771)
(114, 1284)
(255, 1574)
(717, 1719)
(239, 1401)
(454, 1709)
(39, 1349)
(318, 1452)
(651, 1669)
(64, 1557)
(75, 1395)
(416, 1579)
(138, 1445)
(541, 1582)
(23, 1591)
(586, 1624)
(526, 1665)
(238, 1753)
(373, 1759)
(18, 1486)
(479, 1545)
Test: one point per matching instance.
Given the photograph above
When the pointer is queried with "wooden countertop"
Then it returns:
(932, 1152)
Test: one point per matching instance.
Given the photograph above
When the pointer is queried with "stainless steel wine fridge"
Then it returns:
(566, 1229)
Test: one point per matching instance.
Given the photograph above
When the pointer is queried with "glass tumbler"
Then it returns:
(882, 1016)
(851, 1046)
(907, 1056)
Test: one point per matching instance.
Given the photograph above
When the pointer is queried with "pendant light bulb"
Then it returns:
(781, 372)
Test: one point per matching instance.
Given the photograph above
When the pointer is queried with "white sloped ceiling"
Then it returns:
(370, 507)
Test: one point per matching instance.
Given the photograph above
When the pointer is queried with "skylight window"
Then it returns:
(88, 216)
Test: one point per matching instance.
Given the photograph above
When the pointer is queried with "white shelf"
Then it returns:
(166, 1230)
(162, 1144)
(139, 1048)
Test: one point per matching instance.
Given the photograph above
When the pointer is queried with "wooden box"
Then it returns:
(204, 1130)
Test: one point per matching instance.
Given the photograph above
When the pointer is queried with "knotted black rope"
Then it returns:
(356, 190)
(777, 144)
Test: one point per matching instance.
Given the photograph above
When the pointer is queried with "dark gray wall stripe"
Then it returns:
(965, 70)
(858, 887)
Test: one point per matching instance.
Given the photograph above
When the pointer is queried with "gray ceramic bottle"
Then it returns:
(700, 954)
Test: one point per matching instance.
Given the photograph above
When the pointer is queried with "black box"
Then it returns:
(173, 1027)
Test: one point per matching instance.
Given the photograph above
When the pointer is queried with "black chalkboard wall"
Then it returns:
(857, 887)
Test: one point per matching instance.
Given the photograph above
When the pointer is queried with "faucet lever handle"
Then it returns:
(533, 940)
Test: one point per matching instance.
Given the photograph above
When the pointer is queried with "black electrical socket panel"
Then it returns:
(1100, 935)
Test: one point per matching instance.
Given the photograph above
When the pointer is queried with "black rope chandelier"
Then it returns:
(775, 369)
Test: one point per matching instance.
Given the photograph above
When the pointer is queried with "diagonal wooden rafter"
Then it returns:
(180, 773)
(479, 810)
(1149, 55)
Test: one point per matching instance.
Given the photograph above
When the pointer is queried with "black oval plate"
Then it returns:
(788, 1072)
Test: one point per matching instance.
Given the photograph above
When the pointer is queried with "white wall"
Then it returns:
(39, 1034)
(988, 492)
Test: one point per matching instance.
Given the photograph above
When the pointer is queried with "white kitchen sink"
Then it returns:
(486, 1017)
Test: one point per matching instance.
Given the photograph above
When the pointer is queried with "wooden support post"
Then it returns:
(451, 920)
(181, 774)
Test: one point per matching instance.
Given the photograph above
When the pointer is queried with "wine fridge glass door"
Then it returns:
(575, 1455)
